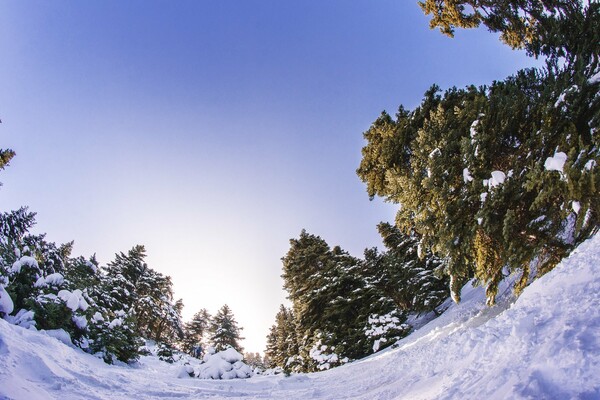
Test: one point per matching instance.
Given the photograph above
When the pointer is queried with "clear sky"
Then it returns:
(212, 132)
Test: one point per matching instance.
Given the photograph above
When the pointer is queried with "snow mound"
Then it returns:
(543, 345)
(226, 364)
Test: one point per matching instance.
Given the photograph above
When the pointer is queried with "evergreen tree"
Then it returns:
(473, 170)
(146, 295)
(254, 360)
(331, 305)
(5, 156)
(195, 331)
(282, 342)
(413, 281)
(555, 28)
(224, 331)
(35, 274)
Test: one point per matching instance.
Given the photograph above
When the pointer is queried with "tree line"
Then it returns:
(106, 310)
(344, 308)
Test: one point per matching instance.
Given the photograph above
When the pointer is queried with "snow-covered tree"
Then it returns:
(145, 294)
(224, 330)
(282, 342)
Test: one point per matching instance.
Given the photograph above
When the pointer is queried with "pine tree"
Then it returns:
(146, 295)
(224, 331)
(5, 156)
(37, 278)
(554, 28)
(414, 282)
(470, 170)
(331, 304)
(195, 331)
(282, 342)
(254, 360)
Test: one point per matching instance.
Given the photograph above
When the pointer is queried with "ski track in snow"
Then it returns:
(544, 345)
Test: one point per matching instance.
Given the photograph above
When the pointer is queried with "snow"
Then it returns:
(589, 165)
(556, 163)
(91, 266)
(115, 322)
(497, 179)
(226, 364)
(576, 206)
(473, 129)
(24, 261)
(543, 345)
(97, 317)
(23, 318)
(61, 335)
(74, 300)
(435, 153)
(55, 279)
(52, 279)
(467, 175)
(6, 303)
(79, 321)
(231, 355)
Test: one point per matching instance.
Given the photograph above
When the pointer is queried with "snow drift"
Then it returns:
(544, 345)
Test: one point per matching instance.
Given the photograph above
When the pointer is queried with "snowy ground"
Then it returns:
(545, 345)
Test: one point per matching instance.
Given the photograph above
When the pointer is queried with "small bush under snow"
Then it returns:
(225, 364)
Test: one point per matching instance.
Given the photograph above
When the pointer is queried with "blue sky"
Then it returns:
(212, 132)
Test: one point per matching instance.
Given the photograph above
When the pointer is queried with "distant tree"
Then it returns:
(147, 295)
(282, 342)
(224, 331)
(195, 331)
(254, 360)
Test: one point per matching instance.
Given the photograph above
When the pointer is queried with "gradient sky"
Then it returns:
(212, 132)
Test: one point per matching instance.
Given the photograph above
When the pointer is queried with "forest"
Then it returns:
(489, 181)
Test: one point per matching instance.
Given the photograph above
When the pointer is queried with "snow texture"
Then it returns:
(24, 261)
(6, 303)
(589, 165)
(226, 364)
(74, 300)
(556, 163)
(576, 206)
(543, 345)
(61, 335)
(50, 280)
(467, 175)
(497, 179)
